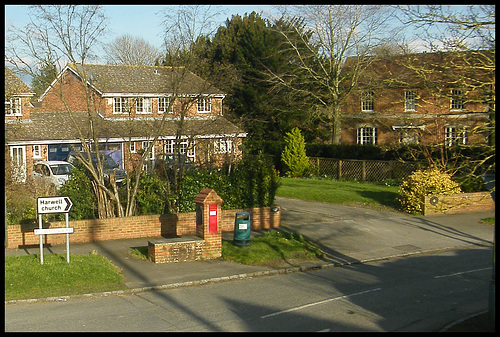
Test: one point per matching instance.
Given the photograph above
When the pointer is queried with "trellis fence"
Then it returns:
(369, 170)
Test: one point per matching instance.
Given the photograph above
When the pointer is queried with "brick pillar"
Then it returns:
(209, 222)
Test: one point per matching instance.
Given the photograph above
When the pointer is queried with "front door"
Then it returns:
(18, 162)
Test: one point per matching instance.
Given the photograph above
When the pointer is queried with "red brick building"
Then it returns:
(17, 112)
(129, 106)
(429, 98)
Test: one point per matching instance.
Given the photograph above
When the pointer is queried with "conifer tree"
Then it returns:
(294, 155)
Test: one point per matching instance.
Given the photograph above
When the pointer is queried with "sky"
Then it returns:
(144, 21)
(137, 20)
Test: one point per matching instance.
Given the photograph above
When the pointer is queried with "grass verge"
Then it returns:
(490, 221)
(272, 247)
(26, 278)
(349, 193)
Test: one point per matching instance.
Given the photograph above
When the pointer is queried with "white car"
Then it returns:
(53, 172)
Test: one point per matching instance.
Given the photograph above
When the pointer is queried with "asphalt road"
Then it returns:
(418, 293)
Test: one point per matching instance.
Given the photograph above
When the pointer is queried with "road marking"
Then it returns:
(320, 302)
(463, 272)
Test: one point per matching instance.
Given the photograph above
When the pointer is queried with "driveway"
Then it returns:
(351, 234)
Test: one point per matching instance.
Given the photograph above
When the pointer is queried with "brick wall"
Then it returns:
(135, 227)
(458, 203)
(176, 250)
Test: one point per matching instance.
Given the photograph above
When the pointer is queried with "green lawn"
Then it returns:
(347, 193)
(26, 278)
(271, 248)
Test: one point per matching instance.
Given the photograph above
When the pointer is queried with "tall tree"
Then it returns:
(330, 44)
(237, 58)
(45, 76)
(61, 34)
(130, 50)
(186, 27)
(467, 34)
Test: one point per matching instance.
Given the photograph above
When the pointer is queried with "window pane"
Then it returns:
(410, 101)
(204, 105)
(367, 101)
(367, 135)
(457, 101)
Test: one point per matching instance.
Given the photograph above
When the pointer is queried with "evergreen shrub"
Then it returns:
(79, 189)
(422, 183)
(294, 155)
(252, 183)
(152, 194)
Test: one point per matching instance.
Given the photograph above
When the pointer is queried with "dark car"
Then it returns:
(166, 162)
(108, 163)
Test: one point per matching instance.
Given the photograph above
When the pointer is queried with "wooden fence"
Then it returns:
(369, 170)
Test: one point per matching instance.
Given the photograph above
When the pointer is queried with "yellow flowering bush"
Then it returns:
(422, 183)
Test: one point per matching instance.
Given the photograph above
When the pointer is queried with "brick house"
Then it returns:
(428, 98)
(128, 106)
(17, 112)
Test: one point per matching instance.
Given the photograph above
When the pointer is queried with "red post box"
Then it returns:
(212, 218)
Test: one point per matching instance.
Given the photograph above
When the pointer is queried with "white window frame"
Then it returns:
(147, 165)
(145, 145)
(367, 101)
(185, 147)
(455, 135)
(133, 147)
(367, 135)
(18, 162)
(168, 146)
(143, 105)
(204, 105)
(121, 105)
(457, 100)
(165, 103)
(37, 151)
(13, 107)
(410, 100)
(222, 146)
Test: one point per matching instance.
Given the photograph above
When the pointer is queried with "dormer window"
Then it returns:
(13, 107)
(204, 105)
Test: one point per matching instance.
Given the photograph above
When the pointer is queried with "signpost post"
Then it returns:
(49, 205)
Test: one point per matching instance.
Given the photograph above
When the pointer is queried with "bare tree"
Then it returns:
(330, 43)
(58, 35)
(467, 34)
(184, 26)
(131, 50)
(450, 27)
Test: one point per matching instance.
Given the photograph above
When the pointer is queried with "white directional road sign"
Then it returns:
(54, 231)
(48, 205)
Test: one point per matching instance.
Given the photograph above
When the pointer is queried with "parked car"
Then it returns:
(54, 172)
(108, 163)
(165, 163)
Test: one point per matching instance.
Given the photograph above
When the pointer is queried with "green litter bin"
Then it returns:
(242, 229)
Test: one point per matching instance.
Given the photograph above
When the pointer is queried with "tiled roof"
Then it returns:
(53, 126)
(13, 84)
(144, 79)
(444, 68)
